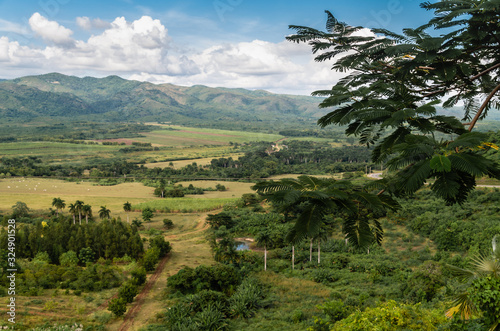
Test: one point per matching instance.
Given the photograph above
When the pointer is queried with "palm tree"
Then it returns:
(264, 238)
(104, 212)
(483, 281)
(318, 197)
(58, 203)
(127, 207)
(322, 235)
(78, 208)
(87, 211)
(72, 210)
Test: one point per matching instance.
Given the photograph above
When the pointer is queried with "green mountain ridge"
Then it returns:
(115, 98)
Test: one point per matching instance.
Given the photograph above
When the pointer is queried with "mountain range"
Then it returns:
(116, 99)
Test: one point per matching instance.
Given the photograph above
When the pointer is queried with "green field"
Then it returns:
(55, 151)
(186, 136)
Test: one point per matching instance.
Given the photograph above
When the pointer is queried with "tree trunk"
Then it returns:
(87, 219)
(311, 250)
(265, 257)
(80, 218)
(319, 251)
(74, 219)
(293, 257)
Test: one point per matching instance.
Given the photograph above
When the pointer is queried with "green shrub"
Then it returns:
(117, 306)
(210, 319)
(138, 276)
(392, 316)
(150, 258)
(127, 292)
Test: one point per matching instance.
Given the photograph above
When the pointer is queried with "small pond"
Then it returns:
(243, 244)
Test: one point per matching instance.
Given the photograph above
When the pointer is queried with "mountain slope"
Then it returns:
(114, 98)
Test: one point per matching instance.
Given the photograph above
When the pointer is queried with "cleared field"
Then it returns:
(182, 163)
(54, 151)
(184, 205)
(185, 136)
(38, 194)
(233, 189)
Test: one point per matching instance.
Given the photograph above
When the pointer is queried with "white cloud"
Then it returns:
(7, 26)
(86, 23)
(50, 30)
(143, 50)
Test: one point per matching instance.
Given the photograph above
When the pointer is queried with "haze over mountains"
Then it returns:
(116, 99)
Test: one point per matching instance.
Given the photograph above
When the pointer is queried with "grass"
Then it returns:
(186, 136)
(38, 194)
(53, 152)
(182, 163)
(184, 205)
(290, 295)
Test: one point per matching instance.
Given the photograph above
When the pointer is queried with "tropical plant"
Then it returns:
(59, 204)
(87, 212)
(263, 238)
(72, 211)
(394, 83)
(483, 288)
(127, 207)
(104, 213)
(79, 209)
(318, 197)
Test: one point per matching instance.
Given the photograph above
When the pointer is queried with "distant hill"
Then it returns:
(113, 98)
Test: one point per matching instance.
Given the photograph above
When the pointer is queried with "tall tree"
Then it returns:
(87, 212)
(263, 238)
(78, 208)
(395, 81)
(104, 213)
(59, 204)
(318, 197)
(127, 207)
(73, 211)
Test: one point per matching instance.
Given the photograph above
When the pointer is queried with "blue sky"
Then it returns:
(232, 43)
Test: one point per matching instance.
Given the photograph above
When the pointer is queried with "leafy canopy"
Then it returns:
(394, 82)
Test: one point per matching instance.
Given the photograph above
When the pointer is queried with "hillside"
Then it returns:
(114, 98)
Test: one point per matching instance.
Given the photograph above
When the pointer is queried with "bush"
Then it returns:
(167, 223)
(248, 297)
(138, 276)
(220, 277)
(68, 259)
(117, 306)
(127, 292)
(150, 259)
(160, 243)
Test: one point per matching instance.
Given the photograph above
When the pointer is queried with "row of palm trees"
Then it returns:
(84, 210)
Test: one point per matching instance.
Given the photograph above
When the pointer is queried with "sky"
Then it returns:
(218, 43)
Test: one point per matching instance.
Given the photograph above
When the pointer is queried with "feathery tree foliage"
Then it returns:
(314, 198)
(394, 82)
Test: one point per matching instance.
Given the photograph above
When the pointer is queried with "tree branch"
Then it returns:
(483, 106)
(485, 71)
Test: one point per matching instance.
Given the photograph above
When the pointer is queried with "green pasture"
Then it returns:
(199, 161)
(55, 151)
(184, 205)
(186, 136)
(233, 189)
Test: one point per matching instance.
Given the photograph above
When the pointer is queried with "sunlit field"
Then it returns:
(185, 136)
